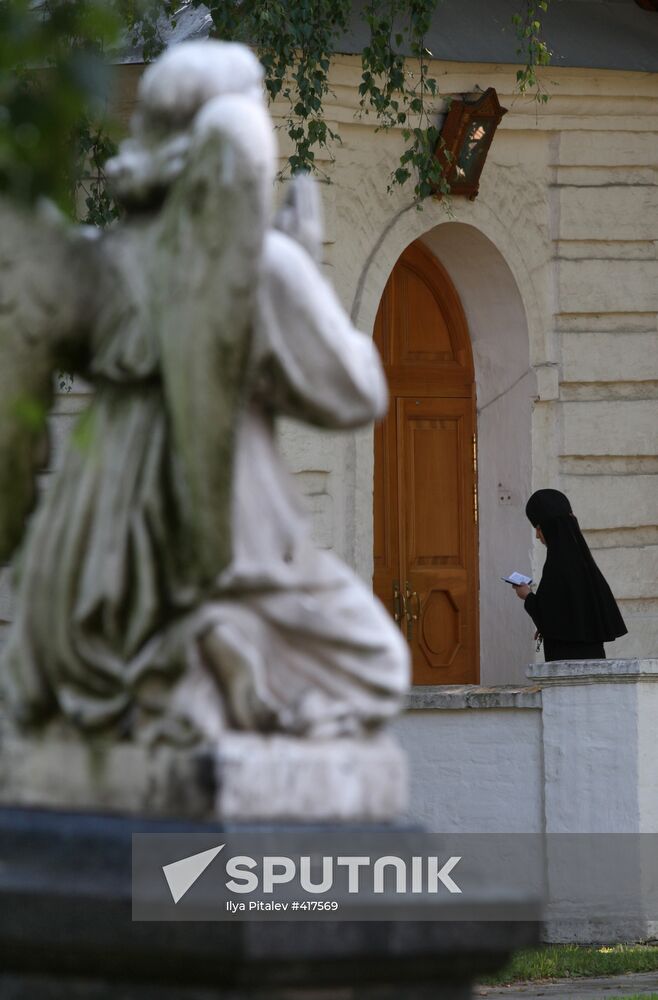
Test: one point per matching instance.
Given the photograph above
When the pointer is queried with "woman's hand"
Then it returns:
(522, 590)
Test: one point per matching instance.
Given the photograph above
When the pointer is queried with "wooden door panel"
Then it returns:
(440, 627)
(427, 319)
(383, 325)
(425, 538)
(424, 334)
(382, 521)
(386, 536)
(386, 515)
(436, 479)
(433, 497)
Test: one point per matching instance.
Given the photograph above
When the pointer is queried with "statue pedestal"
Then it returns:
(246, 777)
(66, 930)
(68, 922)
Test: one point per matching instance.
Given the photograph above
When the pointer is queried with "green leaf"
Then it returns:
(30, 412)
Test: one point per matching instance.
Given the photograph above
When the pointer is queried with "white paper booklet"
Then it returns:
(517, 579)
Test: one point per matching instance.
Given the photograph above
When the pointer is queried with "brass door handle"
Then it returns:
(399, 603)
(411, 616)
(411, 595)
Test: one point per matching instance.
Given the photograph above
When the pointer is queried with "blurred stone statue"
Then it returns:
(167, 586)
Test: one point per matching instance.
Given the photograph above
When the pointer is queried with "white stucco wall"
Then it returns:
(573, 753)
(474, 770)
(599, 746)
(599, 741)
(570, 756)
(562, 238)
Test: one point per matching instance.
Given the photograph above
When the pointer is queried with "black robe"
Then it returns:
(573, 609)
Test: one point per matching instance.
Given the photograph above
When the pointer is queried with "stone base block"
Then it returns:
(245, 777)
(67, 931)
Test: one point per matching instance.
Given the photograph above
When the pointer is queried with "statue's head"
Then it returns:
(176, 87)
(171, 93)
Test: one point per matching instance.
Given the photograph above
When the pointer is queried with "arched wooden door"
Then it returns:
(425, 507)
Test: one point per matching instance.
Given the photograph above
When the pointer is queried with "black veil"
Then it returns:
(574, 601)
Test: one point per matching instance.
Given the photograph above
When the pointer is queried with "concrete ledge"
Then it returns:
(454, 698)
(593, 671)
(246, 777)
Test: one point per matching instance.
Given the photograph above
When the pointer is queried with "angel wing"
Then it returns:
(39, 313)
(213, 225)
(320, 368)
(300, 216)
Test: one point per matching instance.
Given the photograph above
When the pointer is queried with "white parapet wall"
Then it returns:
(600, 745)
(575, 753)
(474, 758)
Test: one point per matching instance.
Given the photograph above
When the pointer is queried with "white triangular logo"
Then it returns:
(181, 875)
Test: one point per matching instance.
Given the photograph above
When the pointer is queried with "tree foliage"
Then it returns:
(532, 47)
(53, 140)
(296, 42)
(53, 79)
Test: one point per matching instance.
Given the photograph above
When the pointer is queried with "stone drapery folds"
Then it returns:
(167, 584)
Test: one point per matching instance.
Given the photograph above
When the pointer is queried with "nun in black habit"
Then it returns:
(573, 609)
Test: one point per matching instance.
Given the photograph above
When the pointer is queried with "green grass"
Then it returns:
(637, 996)
(566, 961)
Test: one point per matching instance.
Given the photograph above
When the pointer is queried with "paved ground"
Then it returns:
(642, 983)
